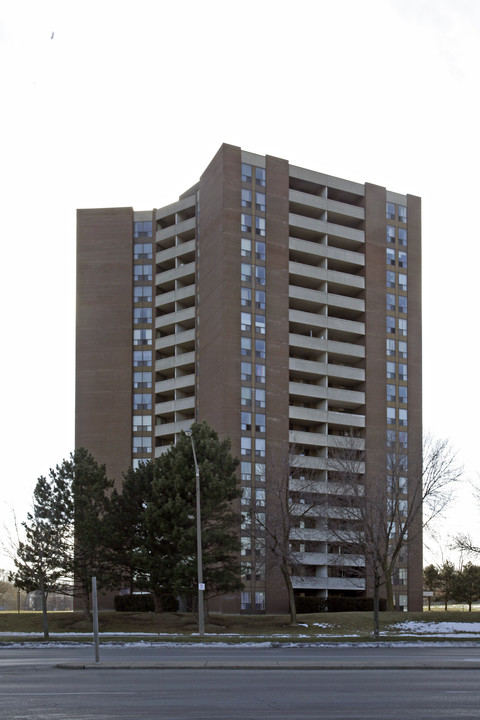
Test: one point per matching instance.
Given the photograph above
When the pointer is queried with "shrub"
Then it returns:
(310, 604)
(134, 603)
(353, 604)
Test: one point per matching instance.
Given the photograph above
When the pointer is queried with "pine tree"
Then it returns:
(170, 547)
(90, 489)
(44, 559)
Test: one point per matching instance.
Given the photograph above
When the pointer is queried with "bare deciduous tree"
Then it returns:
(386, 514)
(291, 497)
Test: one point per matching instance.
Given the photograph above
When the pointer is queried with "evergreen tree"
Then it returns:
(90, 489)
(170, 551)
(125, 528)
(467, 585)
(44, 559)
(446, 582)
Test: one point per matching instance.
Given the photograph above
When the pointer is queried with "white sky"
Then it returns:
(129, 101)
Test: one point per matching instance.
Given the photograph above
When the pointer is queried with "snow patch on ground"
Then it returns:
(421, 627)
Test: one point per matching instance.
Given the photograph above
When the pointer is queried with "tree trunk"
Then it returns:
(389, 589)
(376, 614)
(44, 596)
(86, 601)
(291, 595)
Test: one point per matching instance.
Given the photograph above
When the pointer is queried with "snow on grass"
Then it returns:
(423, 628)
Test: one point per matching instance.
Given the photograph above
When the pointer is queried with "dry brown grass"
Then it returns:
(349, 625)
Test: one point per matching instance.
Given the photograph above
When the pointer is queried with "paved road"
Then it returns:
(30, 693)
(162, 656)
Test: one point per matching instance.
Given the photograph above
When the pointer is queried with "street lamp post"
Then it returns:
(201, 586)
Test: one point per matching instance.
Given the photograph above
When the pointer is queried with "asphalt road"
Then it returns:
(30, 693)
(162, 656)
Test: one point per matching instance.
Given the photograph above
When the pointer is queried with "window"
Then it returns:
(390, 279)
(142, 357)
(246, 198)
(259, 250)
(402, 303)
(142, 379)
(260, 371)
(260, 201)
(402, 371)
(260, 447)
(260, 176)
(142, 272)
(259, 422)
(402, 326)
(259, 397)
(142, 445)
(391, 301)
(246, 173)
(390, 211)
(246, 272)
(260, 226)
(246, 222)
(142, 251)
(142, 293)
(246, 470)
(142, 337)
(245, 545)
(403, 439)
(246, 495)
(402, 394)
(260, 497)
(390, 256)
(402, 213)
(142, 315)
(391, 439)
(402, 236)
(259, 472)
(142, 401)
(390, 346)
(391, 370)
(260, 324)
(246, 295)
(245, 600)
(246, 321)
(142, 228)
(391, 415)
(403, 416)
(246, 420)
(260, 275)
(246, 371)
(246, 445)
(260, 349)
(246, 247)
(260, 299)
(402, 348)
(142, 423)
(246, 567)
(390, 324)
(403, 483)
(391, 393)
(245, 346)
(259, 601)
(390, 234)
(402, 259)
(246, 396)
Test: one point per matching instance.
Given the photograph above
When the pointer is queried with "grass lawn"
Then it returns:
(355, 626)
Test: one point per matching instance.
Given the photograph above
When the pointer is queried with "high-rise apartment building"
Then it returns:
(282, 306)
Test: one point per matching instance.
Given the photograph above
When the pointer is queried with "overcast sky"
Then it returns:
(113, 103)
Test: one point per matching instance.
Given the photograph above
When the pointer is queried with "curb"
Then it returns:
(273, 665)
